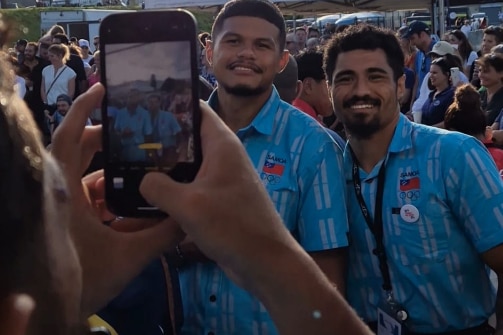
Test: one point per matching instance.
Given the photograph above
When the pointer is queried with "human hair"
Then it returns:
(55, 30)
(453, 60)
(60, 50)
(34, 45)
(496, 31)
(286, 81)
(465, 114)
(62, 38)
(262, 9)
(310, 65)
(464, 47)
(364, 37)
(445, 66)
(75, 50)
(494, 60)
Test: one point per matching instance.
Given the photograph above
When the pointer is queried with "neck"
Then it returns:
(442, 87)
(370, 151)
(239, 112)
(493, 89)
(58, 65)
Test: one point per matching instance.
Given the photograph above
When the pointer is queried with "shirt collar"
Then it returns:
(401, 141)
(264, 120)
(304, 107)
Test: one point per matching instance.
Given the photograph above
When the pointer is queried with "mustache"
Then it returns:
(251, 66)
(366, 99)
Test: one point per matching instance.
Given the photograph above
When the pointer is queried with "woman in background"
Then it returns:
(441, 95)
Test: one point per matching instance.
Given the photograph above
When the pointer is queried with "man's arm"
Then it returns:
(333, 264)
(494, 259)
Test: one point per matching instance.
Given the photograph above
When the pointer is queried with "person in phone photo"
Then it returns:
(133, 125)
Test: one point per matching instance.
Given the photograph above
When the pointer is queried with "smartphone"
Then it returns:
(455, 76)
(150, 112)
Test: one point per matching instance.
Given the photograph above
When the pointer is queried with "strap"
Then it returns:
(54, 80)
(172, 306)
(375, 224)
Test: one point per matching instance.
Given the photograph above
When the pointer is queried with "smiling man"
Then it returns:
(425, 204)
(297, 161)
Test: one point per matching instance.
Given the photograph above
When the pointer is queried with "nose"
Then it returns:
(246, 51)
(361, 87)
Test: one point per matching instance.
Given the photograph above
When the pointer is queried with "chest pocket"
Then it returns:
(418, 234)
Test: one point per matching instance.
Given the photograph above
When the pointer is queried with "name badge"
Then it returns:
(387, 325)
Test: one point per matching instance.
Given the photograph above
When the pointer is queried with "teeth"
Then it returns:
(362, 106)
(242, 68)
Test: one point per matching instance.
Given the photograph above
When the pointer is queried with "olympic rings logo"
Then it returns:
(269, 178)
(411, 195)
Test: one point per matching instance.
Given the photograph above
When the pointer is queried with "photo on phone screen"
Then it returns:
(151, 108)
(150, 105)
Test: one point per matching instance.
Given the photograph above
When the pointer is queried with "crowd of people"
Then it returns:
(336, 194)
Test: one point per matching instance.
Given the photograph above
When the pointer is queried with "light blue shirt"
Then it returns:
(436, 270)
(165, 128)
(301, 168)
(138, 122)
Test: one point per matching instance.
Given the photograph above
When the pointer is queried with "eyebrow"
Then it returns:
(258, 39)
(368, 71)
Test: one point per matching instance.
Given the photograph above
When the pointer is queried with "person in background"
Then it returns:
(493, 36)
(63, 103)
(465, 115)
(408, 49)
(440, 49)
(86, 55)
(491, 78)
(459, 40)
(466, 27)
(287, 82)
(441, 95)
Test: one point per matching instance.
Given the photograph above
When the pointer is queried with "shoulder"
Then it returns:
(449, 143)
(299, 122)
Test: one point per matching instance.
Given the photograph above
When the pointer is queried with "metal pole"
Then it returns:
(441, 17)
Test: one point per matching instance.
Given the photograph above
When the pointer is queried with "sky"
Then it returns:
(126, 62)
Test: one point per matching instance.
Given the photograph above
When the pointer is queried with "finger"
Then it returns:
(133, 225)
(90, 144)
(156, 188)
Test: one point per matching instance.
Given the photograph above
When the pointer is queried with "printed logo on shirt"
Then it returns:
(274, 165)
(410, 185)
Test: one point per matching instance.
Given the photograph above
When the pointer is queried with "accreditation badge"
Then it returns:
(387, 325)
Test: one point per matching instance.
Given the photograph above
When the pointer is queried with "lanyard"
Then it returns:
(375, 224)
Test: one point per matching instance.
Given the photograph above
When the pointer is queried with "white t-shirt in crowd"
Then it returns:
(471, 58)
(20, 86)
(60, 85)
(466, 29)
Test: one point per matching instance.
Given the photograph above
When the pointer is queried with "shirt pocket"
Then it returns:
(424, 241)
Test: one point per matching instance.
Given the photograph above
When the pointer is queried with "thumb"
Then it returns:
(162, 192)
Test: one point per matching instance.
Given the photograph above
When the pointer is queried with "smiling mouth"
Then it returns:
(244, 68)
(362, 106)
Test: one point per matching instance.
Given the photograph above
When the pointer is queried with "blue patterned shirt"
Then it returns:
(436, 270)
(301, 168)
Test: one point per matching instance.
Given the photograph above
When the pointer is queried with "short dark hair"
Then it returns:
(496, 31)
(262, 9)
(310, 65)
(63, 39)
(491, 59)
(364, 37)
(465, 113)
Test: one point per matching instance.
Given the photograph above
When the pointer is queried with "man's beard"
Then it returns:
(243, 90)
(361, 130)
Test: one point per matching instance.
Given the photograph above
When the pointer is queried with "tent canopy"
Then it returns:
(302, 7)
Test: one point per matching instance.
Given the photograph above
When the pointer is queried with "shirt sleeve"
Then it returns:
(475, 192)
(471, 58)
(323, 222)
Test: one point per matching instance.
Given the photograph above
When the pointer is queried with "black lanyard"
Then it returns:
(375, 224)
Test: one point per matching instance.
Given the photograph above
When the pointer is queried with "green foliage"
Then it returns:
(26, 21)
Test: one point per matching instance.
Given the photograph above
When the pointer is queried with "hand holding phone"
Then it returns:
(151, 117)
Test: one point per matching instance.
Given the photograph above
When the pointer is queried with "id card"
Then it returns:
(387, 325)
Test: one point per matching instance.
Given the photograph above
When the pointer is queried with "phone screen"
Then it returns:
(150, 112)
(151, 108)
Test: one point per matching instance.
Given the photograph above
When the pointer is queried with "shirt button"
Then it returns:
(213, 298)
